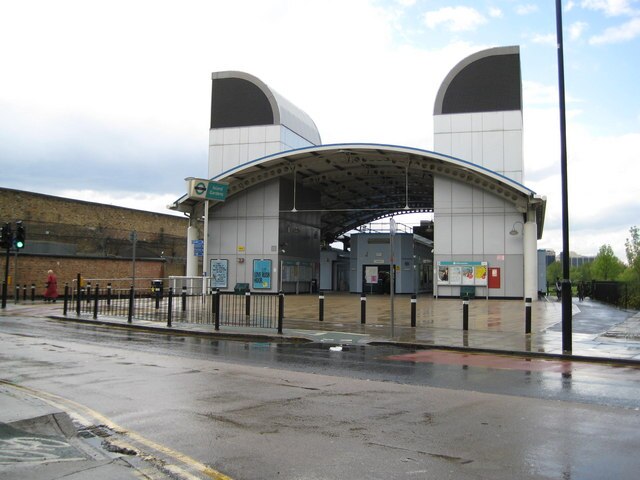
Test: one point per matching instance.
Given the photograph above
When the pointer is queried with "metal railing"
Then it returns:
(166, 305)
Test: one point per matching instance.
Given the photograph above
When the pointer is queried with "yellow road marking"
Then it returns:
(75, 407)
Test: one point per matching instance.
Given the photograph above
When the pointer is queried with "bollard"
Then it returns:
(465, 314)
(17, 298)
(527, 315)
(158, 292)
(247, 298)
(66, 299)
(280, 311)
(109, 294)
(131, 299)
(78, 294)
(4, 295)
(184, 298)
(363, 308)
(170, 302)
(33, 292)
(24, 292)
(414, 301)
(88, 292)
(95, 302)
(216, 308)
(321, 306)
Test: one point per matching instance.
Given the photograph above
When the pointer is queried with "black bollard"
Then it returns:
(184, 298)
(170, 302)
(363, 308)
(33, 292)
(414, 301)
(321, 306)
(527, 315)
(95, 302)
(280, 311)
(66, 299)
(131, 300)
(216, 308)
(465, 314)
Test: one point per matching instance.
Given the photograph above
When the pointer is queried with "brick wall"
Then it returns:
(33, 270)
(99, 234)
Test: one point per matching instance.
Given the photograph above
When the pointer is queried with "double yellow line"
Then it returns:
(179, 464)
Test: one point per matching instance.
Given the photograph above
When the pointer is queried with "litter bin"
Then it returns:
(157, 287)
(241, 288)
(467, 292)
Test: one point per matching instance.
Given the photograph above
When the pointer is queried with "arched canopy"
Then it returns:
(358, 183)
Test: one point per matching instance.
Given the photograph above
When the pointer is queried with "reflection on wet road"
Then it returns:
(538, 378)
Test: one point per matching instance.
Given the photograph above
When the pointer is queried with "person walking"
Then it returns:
(51, 293)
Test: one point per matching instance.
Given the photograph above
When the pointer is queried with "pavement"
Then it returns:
(600, 332)
(39, 441)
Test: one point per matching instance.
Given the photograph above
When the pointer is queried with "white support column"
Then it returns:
(530, 248)
(192, 260)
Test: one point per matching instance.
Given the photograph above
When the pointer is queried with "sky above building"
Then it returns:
(109, 101)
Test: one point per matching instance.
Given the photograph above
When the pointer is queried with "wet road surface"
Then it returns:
(254, 411)
(602, 384)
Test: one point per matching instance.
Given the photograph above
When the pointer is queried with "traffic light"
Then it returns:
(20, 235)
(6, 237)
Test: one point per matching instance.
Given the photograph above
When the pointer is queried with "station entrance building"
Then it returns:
(290, 197)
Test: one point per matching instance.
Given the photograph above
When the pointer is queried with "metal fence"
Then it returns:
(621, 294)
(158, 303)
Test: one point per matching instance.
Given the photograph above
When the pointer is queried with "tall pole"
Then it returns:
(566, 282)
(134, 240)
(392, 273)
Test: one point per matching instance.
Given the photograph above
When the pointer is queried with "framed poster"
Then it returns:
(219, 273)
(261, 274)
(480, 274)
(467, 275)
(371, 274)
(443, 275)
(455, 275)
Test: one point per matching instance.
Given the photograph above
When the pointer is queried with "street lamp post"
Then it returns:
(566, 282)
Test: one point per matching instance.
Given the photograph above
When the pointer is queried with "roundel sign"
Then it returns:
(200, 188)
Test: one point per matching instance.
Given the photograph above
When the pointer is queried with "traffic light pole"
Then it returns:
(6, 280)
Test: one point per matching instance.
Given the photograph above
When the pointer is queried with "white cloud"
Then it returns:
(621, 33)
(456, 19)
(495, 12)
(576, 30)
(526, 9)
(569, 6)
(545, 39)
(611, 8)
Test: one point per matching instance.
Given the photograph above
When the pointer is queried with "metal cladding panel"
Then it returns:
(236, 102)
(513, 274)
(486, 85)
(255, 236)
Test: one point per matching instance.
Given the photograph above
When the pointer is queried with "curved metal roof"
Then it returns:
(358, 183)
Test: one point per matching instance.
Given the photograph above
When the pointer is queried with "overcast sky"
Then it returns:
(109, 101)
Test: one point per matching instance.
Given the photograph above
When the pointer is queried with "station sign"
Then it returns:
(202, 189)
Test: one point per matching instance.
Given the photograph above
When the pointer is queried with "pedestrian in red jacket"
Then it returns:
(51, 293)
